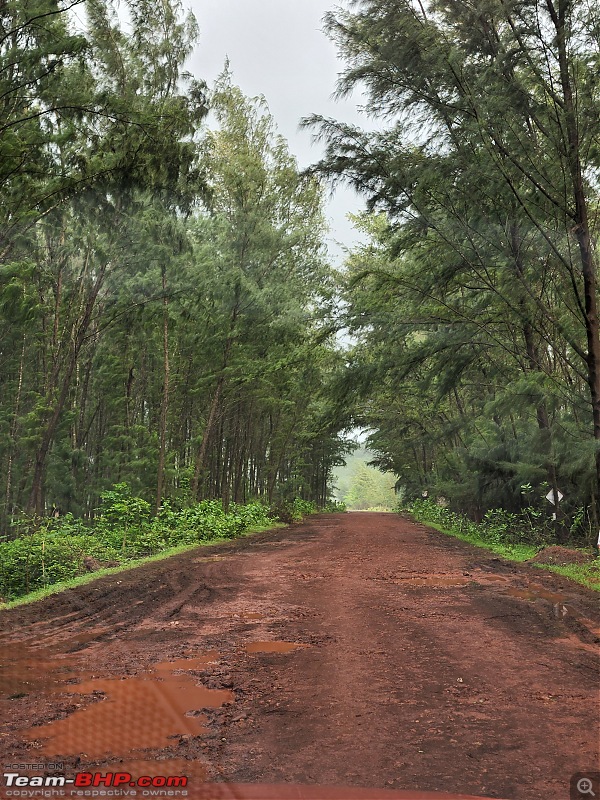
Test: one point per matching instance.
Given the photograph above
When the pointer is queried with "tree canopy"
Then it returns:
(475, 301)
(162, 282)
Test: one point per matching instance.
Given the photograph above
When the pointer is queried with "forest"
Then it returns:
(169, 314)
(164, 290)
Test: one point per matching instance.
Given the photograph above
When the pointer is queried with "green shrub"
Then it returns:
(124, 530)
(46, 557)
(334, 507)
(497, 526)
(302, 508)
(294, 511)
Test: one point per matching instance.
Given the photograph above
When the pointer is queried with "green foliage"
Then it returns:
(586, 574)
(295, 510)
(46, 557)
(334, 507)
(476, 355)
(165, 327)
(361, 486)
(119, 506)
(302, 508)
(124, 531)
(517, 537)
(497, 527)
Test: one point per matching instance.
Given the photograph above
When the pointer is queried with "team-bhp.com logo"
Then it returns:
(93, 784)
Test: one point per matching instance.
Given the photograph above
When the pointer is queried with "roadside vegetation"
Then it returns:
(164, 285)
(54, 551)
(516, 537)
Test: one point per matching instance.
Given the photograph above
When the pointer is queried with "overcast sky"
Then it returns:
(276, 48)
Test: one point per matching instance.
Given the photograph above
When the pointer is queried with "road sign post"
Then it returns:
(555, 497)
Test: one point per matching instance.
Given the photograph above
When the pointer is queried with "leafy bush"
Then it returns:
(46, 557)
(123, 531)
(334, 507)
(302, 508)
(252, 514)
(497, 526)
(293, 511)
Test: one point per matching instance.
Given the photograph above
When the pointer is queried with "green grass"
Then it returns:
(259, 529)
(81, 580)
(587, 575)
(512, 552)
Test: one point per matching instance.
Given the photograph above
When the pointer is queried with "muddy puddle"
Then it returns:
(207, 559)
(24, 670)
(196, 661)
(532, 592)
(48, 665)
(272, 647)
(129, 714)
(535, 592)
(434, 581)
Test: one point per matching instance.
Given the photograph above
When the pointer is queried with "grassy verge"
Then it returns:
(81, 580)
(511, 552)
(587, 575)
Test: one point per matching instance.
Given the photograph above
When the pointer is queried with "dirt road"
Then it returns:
(355, 649)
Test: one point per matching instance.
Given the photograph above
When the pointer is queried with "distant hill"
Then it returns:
(361, 486)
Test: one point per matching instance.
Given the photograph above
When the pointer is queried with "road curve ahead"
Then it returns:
(353, 649)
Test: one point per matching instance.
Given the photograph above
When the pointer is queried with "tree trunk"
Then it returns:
(36, 497)
(581, 219)
(8, 508)
(201, 455)
(165, 396)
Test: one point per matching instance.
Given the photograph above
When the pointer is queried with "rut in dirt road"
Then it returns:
(354, 649)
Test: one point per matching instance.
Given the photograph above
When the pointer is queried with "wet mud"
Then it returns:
(352, 650)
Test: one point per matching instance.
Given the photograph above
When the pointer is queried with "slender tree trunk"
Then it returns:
(533, 360)
(165, 396)
(201, 455)
(36, 498)
(581, 229)
(8, 508)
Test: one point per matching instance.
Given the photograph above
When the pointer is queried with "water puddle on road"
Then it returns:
(531, 592)
(435, 581)
(133, 713)
(273, 647)
(197, 661)
(207, 559)
(535, 592)
(24, 670)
